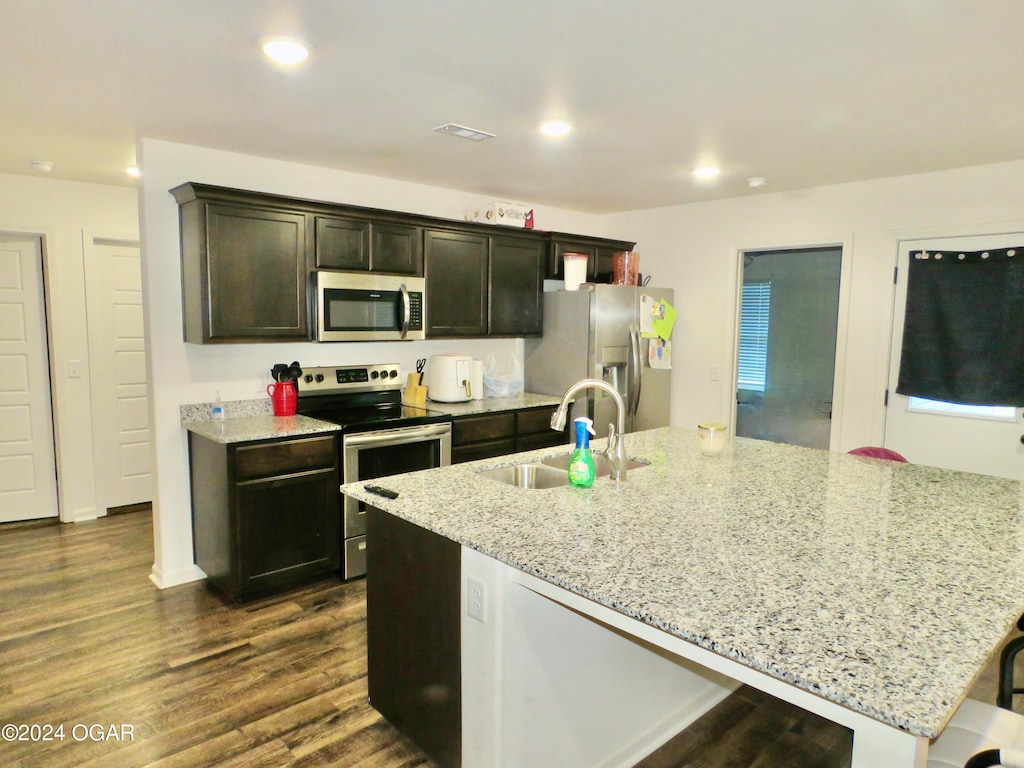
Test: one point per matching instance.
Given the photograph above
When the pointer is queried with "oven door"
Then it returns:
(368, 455)
(358, 307)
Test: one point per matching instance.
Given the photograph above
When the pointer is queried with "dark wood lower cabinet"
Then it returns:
(413, 633)
(265, 514)
(499, 434)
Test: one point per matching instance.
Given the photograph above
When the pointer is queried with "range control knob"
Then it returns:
(394, 373)
(307, 378)
(319, 377)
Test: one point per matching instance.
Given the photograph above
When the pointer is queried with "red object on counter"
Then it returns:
(283, 396)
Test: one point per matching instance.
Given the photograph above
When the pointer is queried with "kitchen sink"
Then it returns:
(551, 472)
(534, 476)
(601, 464)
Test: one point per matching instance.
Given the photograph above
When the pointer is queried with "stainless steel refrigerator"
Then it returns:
(594, 332)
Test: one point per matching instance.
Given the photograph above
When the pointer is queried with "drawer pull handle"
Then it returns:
(361, 546)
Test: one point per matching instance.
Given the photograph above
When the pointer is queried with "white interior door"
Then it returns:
(28, 474)
(117, 373)
(989, 441)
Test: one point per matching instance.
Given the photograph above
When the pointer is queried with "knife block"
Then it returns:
(414, 394)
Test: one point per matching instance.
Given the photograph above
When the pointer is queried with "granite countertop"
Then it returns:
(254, 420)
(492, 404)
(878, 585)
(242, 429)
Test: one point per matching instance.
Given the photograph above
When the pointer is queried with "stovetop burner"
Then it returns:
(360, 398)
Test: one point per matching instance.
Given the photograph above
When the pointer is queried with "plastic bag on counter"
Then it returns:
(504, 379)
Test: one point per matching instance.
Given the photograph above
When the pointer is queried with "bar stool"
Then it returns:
(876, 452)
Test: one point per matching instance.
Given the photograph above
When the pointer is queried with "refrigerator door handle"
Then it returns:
(634, 389)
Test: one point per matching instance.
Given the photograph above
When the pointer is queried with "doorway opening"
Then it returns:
(786, 358)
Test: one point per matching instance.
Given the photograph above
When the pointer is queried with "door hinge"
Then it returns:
(886, 397)
(895, 272)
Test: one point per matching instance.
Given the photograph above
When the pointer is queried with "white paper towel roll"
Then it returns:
(477, 381)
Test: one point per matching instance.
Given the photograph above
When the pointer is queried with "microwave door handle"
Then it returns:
(406, 310)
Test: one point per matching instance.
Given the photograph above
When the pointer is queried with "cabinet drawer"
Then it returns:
(485, 450)
(540, 440)
(534, 420)
(269, 459)
(480, 428)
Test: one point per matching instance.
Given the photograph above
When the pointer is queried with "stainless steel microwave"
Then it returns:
(357, 306)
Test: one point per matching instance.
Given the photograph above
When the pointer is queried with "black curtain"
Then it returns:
(963, 333)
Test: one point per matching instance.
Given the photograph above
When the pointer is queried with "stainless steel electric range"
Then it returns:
(379, 436)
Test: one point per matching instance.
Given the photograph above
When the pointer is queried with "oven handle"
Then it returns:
(397, 436)
(406, 310)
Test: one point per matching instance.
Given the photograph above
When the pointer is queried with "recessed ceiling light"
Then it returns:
(756, 182)
(555, 128)
(285, 50)
(706, 171)
(132, 170)
(41, 165)
(452, 129)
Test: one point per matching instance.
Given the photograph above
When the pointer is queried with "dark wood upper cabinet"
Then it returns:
(515, 282)
(244, 269)
(342, 243)
(257, 275)
(247, 257)
(362, 245)
(396, 248)
(599, 252)
(456, 273)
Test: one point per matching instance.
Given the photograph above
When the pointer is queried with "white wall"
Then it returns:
(188, 373)
(60, 211)
(693, 249)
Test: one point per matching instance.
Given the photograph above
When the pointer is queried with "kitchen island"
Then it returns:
(869, 592)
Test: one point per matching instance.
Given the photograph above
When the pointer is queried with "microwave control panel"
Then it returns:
(415, 311)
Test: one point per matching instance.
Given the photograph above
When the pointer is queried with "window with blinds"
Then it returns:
(753, 358)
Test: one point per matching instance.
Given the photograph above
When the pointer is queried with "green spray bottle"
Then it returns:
(581, 464)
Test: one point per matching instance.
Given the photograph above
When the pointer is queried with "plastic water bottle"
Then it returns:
(218, 408)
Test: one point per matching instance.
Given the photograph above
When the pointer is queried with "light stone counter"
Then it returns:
(492, 404)
(880, 586)
(245, 428)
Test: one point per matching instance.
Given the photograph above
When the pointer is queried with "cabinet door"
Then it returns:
(397, 248)
(456, 266)
(287, 529)
(556, 271)
(481, 437)
(516, 305)
(601, 269)
(342, 243)
(413, 633)
(533, 429)
(257, 274)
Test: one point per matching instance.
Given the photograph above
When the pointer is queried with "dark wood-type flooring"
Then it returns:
(85, 638)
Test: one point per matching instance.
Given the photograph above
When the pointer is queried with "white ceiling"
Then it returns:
(803, 92)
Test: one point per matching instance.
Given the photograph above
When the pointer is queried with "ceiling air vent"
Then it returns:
(463, 132)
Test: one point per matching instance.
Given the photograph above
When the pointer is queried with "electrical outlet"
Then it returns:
(716, 373)
(476, 599)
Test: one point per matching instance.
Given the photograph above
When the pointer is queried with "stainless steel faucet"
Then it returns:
(616, 451)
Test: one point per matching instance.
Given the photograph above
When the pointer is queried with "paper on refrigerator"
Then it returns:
(657, 317)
